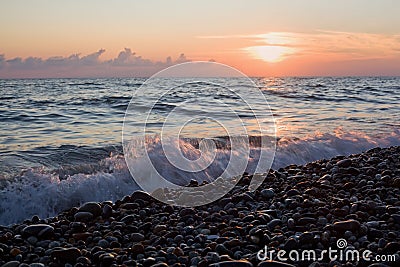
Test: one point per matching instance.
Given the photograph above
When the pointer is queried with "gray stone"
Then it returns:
(267, 193)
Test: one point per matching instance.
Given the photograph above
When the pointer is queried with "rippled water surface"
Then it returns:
(60, 138)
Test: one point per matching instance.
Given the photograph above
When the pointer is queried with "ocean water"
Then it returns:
(60, 139)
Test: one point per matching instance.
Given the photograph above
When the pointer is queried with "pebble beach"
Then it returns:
(354, 198)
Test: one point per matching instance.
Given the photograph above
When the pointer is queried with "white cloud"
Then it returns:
(127, 63)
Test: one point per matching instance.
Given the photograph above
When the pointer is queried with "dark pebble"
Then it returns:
(38, 230)
(92, 207)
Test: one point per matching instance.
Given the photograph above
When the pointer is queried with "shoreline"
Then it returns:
(296, 208)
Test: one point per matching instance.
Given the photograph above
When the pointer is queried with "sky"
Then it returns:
(128, 38)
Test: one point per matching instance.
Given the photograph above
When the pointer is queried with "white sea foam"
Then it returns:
(36, 191)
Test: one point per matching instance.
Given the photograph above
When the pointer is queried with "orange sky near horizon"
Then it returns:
(260, 38)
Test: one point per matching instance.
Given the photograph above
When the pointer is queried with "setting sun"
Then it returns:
(270, 53)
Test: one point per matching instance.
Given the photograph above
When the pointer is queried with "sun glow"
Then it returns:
(270, 53)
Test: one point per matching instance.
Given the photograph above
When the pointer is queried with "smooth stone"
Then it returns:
(137, 237)
(66, 254)
(161, 264)
(11, 264)
(178, 252)
(106, 259)
(392, 247)
(141, 195)
(107, 211)
(306, 238)
(350, 225)
(178, 239)
(221, 249)
(92, 207)
(396, 183)
(36, 264)
(212, 237)
(306, 220)
(187, 211)
(32, 240)
(232, 264)
(15, 251)
(396, 218)
(290, 223)
(274, 223)
(150, 261)
(205, 231)
(373, 224)
(274, 264)
(137, 249)
(38, 230)
(83, 216)
(344, 163)
(81, 236)
(267, 193)
(159, 228)
(292, 192)
(128, 219)
(54, 244)
(85, 261)
(103, 243)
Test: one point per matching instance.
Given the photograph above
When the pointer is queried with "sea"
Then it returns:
(61, 140)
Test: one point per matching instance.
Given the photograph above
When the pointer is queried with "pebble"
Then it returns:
(396, 183)
(83, 216)
(92, 207)
(38, 230)
(137, 237)
(293, 192)
(137, 249)
(66, 254)
(141, 195)
(274, 223)
(14, 252)
(159, 228)
(11, 264)
(351, 225)
(344, 163)
(267, 193)
(107, 211)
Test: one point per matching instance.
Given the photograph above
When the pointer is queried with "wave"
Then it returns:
(44, 192)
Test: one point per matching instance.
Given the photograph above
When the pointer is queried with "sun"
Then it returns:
(270, 53)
